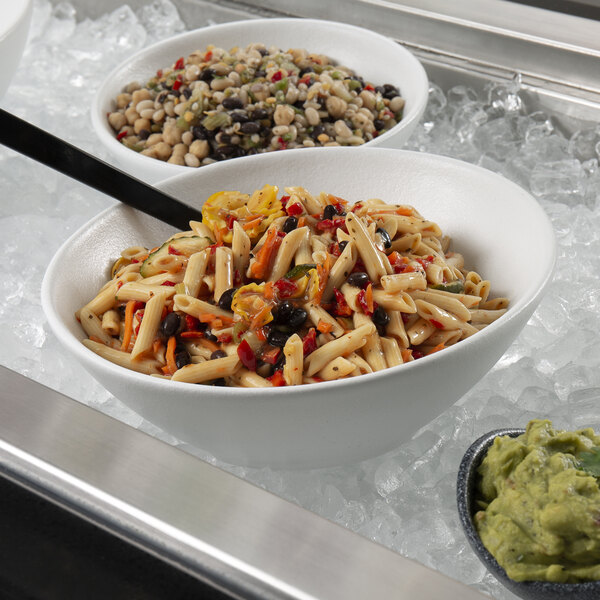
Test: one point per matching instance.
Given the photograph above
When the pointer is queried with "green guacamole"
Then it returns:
(540, 514)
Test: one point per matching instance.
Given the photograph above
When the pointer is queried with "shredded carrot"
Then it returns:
(260, 266)
(219, 232)
(269, 291)
(301, 222)
(324, 326)
(153, 250)
(437, 348)
(170, 354)
(253, 222)
(261, 335)
(260, 318)
(166, 370)
(156, 346)
(369, 297)
(128, 329)
(216, 321)
(323, 274)
(405, 211)
(406, 355)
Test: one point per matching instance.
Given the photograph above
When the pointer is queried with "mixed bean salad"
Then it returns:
(273, 290)
(217, 104)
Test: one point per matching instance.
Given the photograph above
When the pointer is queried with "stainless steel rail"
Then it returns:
(215, 526)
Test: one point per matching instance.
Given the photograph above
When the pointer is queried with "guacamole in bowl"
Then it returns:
(529, 502)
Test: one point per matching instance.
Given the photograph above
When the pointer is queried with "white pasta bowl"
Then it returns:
(376, 58)
(14, 27)
(501, 230)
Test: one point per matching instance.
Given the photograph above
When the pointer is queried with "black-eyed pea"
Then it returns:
(192, 72)
(126, 131)
(132, 87)
(221, 84)
(123, 100)
(177, 160)
(171, 133)
(235, 78)
(292, 94)
(162, 150)
(341, 129)
(200, 148)
(151, 152)
(336, 107)
(140, 95)
(169, 108)
(180, 108)
(397, 104)
(153, 139)
(191, 160)
(312, 116)
(300, 121)
(144, 105)
(368, 99)
(131, 115)
(180, 150)
(117, 120)
(221, 68)
(218, 97)
(158, 115)
(187, 138)
(283, 115)
(141, 124)
(280, 130)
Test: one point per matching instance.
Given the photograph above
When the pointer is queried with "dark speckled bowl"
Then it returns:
(465, 496)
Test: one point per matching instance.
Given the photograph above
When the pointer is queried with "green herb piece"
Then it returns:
(590, 461)
(298, 271)
(454, 287)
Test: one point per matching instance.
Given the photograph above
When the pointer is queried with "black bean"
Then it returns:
(263, 51)
(260, 73)
(297, 318)
(299, 104)
(226, 298)
(385, 236)
(232, 102)
(187, 93)
(380, 317)
(182, 358)
(220, 382)
(342, 245)
(317, 131)
(162, 97)
(282, 312)
(224, 152)
(259, 114)
(329, 211)
(250, 127)
(358, 279)
(277, 338)
(218, 354)
(206, 74)
(170, 325)
(251, 151)
(379, 124)
(390, 91)
(199, 132)
(239, 116)
(222, 138)
(279, 363)
(379, 89)
(305, 71)
(289, 224)
(144, 134)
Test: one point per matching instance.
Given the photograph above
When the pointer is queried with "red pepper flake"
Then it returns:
(191, 323)
(246, 355)
(305, 79)
(426, 261)
(119, 284)
(436, 324)
(334, 249)
(231, 219)
(341, 306)
(225, 338)
(284, 201)
(237, 278)
(294, 209)
(168, 283)
(309, 341)
(332, 225)
(122, 135)
(369, 87)
(208, 55)
(277, 379)
(179, 64)
(176, 85)
(361, 298)
(282, 143)
(159, 73)
(285, 288)
(278, 75)
(417, 354)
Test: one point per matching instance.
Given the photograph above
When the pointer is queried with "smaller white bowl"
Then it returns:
(502, 231)
(14, 27)
(374, 57)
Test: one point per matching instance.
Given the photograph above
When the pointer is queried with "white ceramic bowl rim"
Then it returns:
(532, 293)
(411, 114)
(12, 13)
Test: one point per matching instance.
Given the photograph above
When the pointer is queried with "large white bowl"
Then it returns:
(374, 57)
(501, 230)
(14, 26)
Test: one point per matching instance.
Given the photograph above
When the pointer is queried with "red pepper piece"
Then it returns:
(341, 306)
(173, 250)
(168, 283)
(177, 85)
(284, 201)
(309, 341)
(417, 354)
(305, 79)
(246, 355)
(278, 75)
(362, 302)
(225, 338)
(285, 288)
(271, 355)
(436, 324)
(277, 379)
(282, 143)
(208, 55)
(191, 334)
(159, 73)
(122, 135)
(231, 219)
(294, 209)
(179, 64)
(191, 323)
(405, 317)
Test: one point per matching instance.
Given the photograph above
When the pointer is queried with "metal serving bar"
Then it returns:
(236, 536)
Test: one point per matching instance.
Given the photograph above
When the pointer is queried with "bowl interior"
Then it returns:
(376, 58)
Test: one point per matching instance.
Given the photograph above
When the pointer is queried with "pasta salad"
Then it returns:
(273, 290)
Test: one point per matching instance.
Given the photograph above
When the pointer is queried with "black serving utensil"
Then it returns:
(69, 160)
